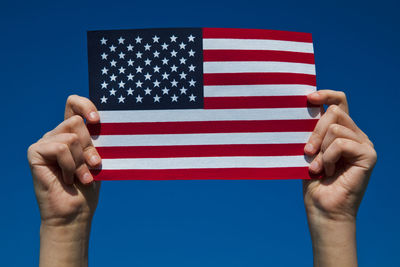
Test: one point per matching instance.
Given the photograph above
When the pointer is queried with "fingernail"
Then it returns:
(94, 116)
(87, 178)
(94, 160)
(314, 166)
(309, 148)
(315, 94)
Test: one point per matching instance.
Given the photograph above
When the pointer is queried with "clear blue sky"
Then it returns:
(197, 223)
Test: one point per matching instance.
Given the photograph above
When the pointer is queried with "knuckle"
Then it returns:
(72, 99)
(75, 121)
(341, 95)
(72, 138)
(334, 129)
(334, 109)
(62, 148)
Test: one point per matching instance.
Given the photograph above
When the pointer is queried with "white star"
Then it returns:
(139, 69)
(191, 67)
(121, 55)
(165, 76)
(192, 98)
(130, 91)
(147, 47)
(155, 39)
(182, 46)
(103, 42)
(165, 91)
(148, 91)
(156, 54)
(191, 38)
(103, 99)
(173, 38)
(121, 99)
(121, 40)
(104, 56)
(183, 90)
(156, 98)
(173, 53)
(139, 99)
(121, 84)
(112, 48)
(112, 91)
(147, 62)
(174, 98)
(139, 55)
(113, 77)
(130, 62)
(130, 47)
(156, 69)
(147, 76)
(164, 46)
(174, 68)
(130, 76)
(138, 40)
(182, 60)
(122, 70)
(174, 83)
(191, 53)
(104, 85)
(192, 82)
(113, 63)
(156, 83)
(104, 70)
(139, 84)
(183, 75)
(165, 61)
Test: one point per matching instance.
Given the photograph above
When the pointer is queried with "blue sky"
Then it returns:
(197, 223)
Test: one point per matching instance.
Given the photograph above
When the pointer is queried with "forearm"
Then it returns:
(334, 243)
(64, 246)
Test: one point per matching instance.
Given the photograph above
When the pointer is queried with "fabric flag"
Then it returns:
(201, 103)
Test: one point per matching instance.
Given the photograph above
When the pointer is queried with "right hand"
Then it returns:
(59, 161)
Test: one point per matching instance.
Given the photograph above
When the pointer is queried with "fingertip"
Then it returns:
(93, 117)
(87, 178)
(94, 160)
(309, 149)
(314, 167)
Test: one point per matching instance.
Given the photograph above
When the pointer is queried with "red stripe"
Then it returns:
(258, 78)
(257, 102)
(201, 151)
(257, 34)
(205, 174)
(257, 55)
(202, 127)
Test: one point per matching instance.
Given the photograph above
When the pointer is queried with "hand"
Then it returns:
(345, 156)
(65, 191)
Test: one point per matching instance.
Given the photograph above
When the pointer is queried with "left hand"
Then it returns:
(345, 155)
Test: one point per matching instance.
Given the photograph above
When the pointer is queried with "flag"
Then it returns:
(201, 103)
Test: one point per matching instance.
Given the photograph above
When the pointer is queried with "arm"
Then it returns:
(65, 191)
(346, 157)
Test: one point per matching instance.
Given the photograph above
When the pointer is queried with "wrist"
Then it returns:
(64, 245)
(333, 241)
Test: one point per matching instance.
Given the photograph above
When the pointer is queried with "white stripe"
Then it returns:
(258, 66)
(258, 90)
(201, 139)
(204, 162)
(116, 116)
(253, 44)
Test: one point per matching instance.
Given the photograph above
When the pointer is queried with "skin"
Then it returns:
(67, 195)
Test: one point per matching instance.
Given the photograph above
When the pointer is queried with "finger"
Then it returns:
(72, 141)
(75, 124)
(316, 165)
(54, 152)
(334, 115)
(77, 105)
(349, 150)
(339, 131)
(329, 97)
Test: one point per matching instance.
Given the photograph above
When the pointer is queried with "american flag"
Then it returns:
(201, 103)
